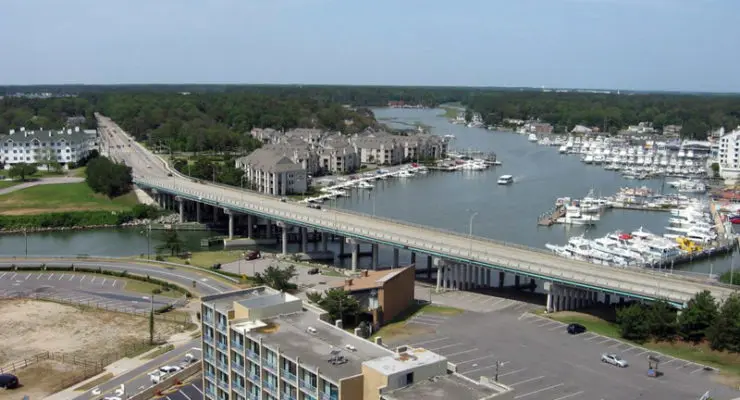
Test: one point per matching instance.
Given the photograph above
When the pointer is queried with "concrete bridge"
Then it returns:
(462, 261)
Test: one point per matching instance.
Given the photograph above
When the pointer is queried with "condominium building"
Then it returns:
(42, 147)
(262, 344)
(729, 156)
(273, 173)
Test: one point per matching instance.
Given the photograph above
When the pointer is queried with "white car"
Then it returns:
(170, 369)
(614, 359)
(157, 376)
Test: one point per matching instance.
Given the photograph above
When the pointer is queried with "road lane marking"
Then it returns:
(444, 347)
(429, 341)
(526, 380)
(538, 391)
(567, 396)
(460, 352)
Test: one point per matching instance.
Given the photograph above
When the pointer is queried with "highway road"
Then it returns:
(150, 171)
(137, 378)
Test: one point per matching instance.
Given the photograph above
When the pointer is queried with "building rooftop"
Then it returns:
(450, 386)
(251, 298)
(23, 135)
(369, 279)
(408, 360)
(318, 345)
(269, 161)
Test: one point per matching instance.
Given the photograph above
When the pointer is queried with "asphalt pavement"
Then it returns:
(541, 361)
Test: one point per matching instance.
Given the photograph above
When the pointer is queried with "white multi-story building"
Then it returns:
(273, 173)
(729, 156)
(42, 147)
(261, 344)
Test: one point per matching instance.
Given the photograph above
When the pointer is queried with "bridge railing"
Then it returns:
(574, 274)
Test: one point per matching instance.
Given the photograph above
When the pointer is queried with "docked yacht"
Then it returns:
(364, 185)
(532, 137)
(404, 174)
(574, 216)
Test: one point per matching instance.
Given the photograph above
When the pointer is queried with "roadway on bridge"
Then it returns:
(137, 378)
(150, 171)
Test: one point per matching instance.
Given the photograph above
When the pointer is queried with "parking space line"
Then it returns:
(1, 276)
(474, 359)
(526, 380)
(460, 352)
(605, 340)
(525, 316)
(499, 301)
(630, 349)
(14, 275)
(183, 393)
(538, 391)
(555, 328)
(103, 281)
(511, 372)
(592, 337)
(92, 280)
(61, 276)
(480, 369)
(28, 276)
(616, 345)
(567, 396)
(669, 361)
(543, 325)
(50, 277)
(114, 282)
(646, 351)
(82, 278)
(444, 347)
(686, 365)
(71, 277)
(429, 341)
(696, 370)
(198, 389)
(38, 276)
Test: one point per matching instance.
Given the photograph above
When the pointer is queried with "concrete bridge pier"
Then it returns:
(215, 214)
(374, 248)
(231, 222)
(413, 258)
(429, 265)
(355, 249)
(250, 226)
(324, 242)
(501, 278)
(197, 212)
(394, 264)
(284, 237)
(181, 208)
(304, 240)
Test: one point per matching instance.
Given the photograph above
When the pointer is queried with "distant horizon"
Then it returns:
(505, 88)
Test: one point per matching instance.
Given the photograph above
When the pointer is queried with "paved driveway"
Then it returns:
(541, 361)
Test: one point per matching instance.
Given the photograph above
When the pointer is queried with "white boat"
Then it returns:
(588, 159)
(364, 185)
(563, 149)
(610, 246)
(505, 180)
(404, 174)
(532, 137)
(574, 216)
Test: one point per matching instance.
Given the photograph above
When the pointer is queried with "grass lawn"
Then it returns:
(728, 363)
(450, 112)
(206, 259)
(136, 286)
(7, 184)
(399, 329)
(61, 197)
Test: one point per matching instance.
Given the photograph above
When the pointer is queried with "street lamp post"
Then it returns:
(470, 233)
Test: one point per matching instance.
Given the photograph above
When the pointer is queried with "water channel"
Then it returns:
(444, 200)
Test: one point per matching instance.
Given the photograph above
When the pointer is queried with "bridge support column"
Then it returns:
(197, 212)
(304, 240)
(231, 222)
(268, 228)
(447, 278)
(501, 278)
(215, 214)
(181, 205)
(324, 241)
(284, 237)
(355, 255)
(250, 226)
(429, 266)
(341, 245)
(607, 299)
(440, 273)
(374, 256)
(395, 258)
(413, 258)
(516, 281)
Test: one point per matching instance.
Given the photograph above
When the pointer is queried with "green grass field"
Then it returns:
(61, 197)
(7, 184)
(206, 259)
(399, 328)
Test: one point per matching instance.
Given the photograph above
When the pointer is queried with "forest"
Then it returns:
(215, 117)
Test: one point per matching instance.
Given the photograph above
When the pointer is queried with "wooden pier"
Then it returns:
(550, 217)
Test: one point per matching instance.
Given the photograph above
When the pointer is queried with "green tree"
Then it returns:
(340, 305)
(661, 317)
(172, 242)
(715, 170)
(107, 177)
(22, 171)
(699, 314)
(731, 277)
(724, 334)
(633, 322)
(277, 278)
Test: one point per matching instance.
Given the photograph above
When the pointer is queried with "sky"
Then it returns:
(683, 45)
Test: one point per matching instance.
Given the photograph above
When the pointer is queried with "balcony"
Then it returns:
(221, 346)
(238, 347)
(328, 396)
(208, 339)
(222, 365)
(253, 356)
(210, 375)
(307, 386)
(223, 384)
(252, 396)
(289, 376)
(208, 318)
(270, 365)
(253, 376)
(270, 387)
(210, 391)
(237, 367)
(239, 388)
(221, 327)
(287, 396)
(209, 357)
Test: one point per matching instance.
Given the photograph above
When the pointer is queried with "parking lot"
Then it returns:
(190, 391)
(85, 289)
(541, 361)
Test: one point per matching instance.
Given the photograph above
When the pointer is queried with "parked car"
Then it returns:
(9, 381)
(314, 205)
(170, 369)
(252, 255)
(575, 329)
(614, 359)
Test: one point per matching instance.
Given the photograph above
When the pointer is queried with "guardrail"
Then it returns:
(568, 272)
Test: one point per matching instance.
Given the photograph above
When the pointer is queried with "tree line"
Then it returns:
(702, 320)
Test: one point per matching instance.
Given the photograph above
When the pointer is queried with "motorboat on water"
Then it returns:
(404, 174)
(505, 180)
(364, 185)
(574, 216)
(532, 137)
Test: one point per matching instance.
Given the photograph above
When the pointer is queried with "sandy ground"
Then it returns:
(31, 327)
(43, 379)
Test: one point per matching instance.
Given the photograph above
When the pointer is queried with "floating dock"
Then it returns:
(550, 217)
